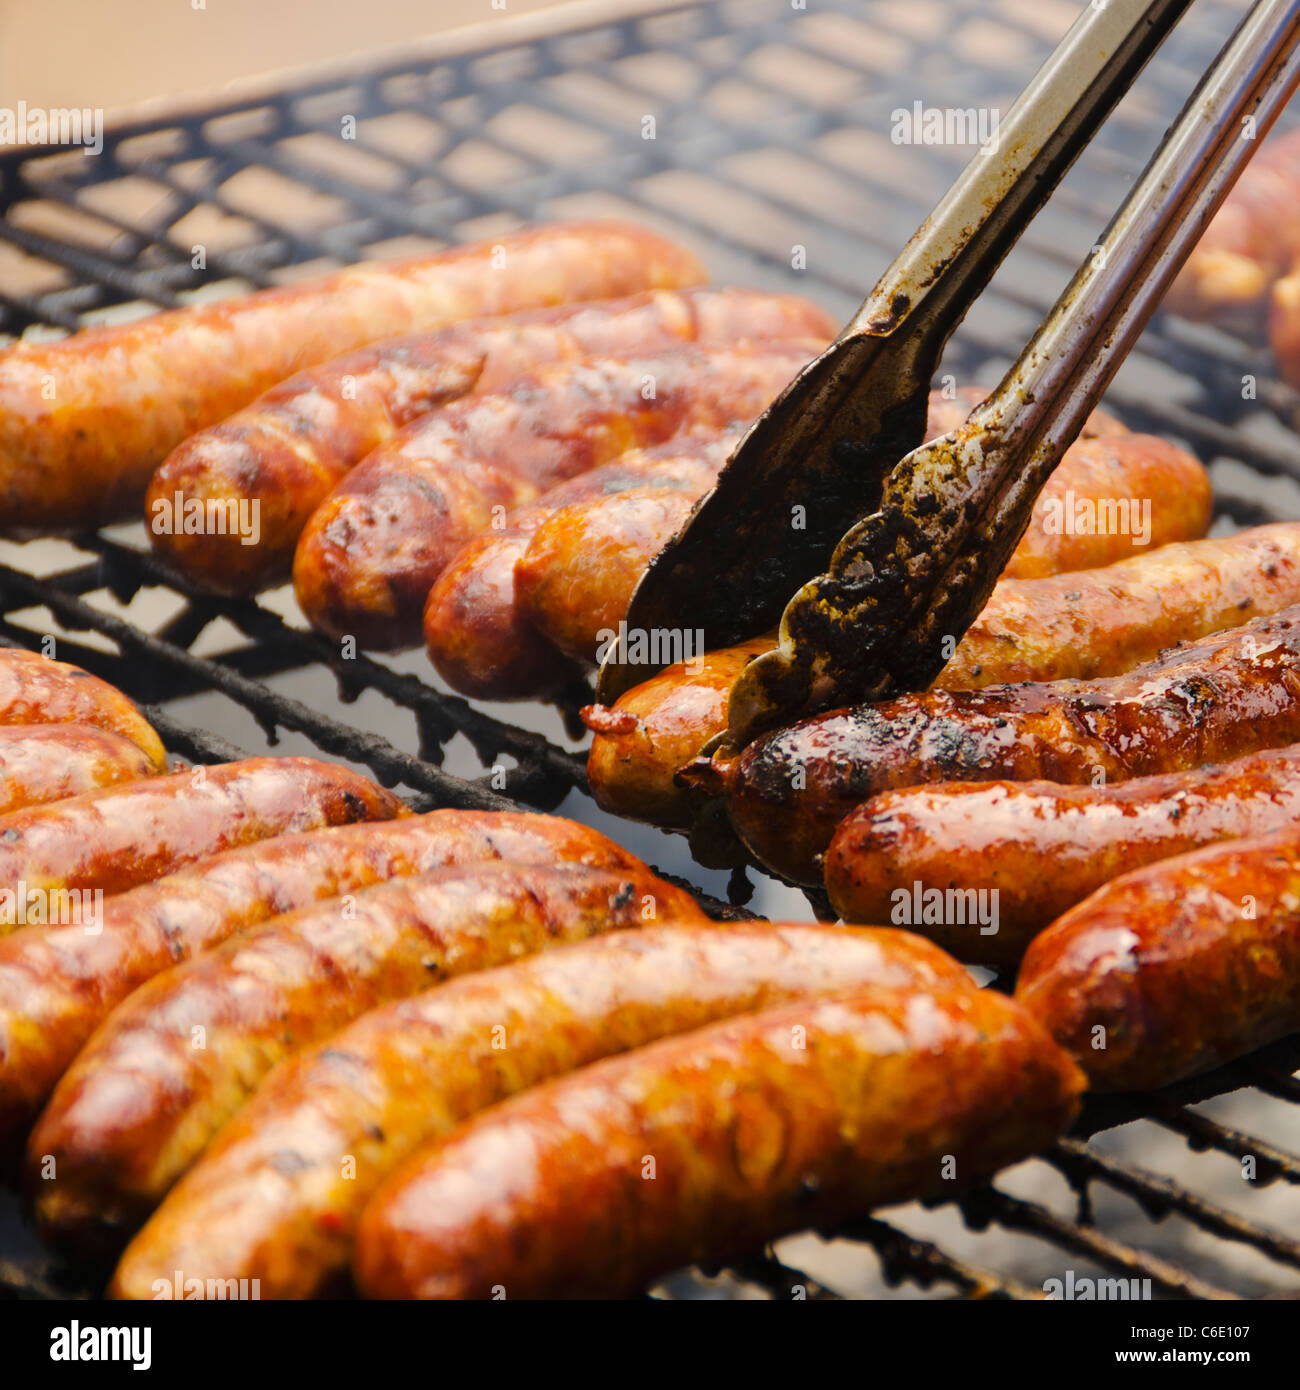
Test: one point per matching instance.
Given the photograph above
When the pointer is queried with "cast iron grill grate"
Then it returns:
(770, 147)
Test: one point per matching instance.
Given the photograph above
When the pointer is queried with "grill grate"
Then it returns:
(771, 134)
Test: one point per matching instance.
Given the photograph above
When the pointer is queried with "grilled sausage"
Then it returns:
(1206, 701)
(58, 983)
(715, 1142)
(476, 631)
(1253, 239)
(1034, 849)
(85, 421)
(410, 1071)
(40, 763)
(116, 838)
(1284, 325)
(292, 445)
(142, 1100)
(37, 690)
(370, 553)
(1174, 968)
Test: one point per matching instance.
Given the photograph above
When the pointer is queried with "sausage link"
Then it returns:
(141, 1101)
(773, 1122)
(1284, 325)
(1201, 702)
(1034, 849)
(116, 838)
(293, 444)
(85, 421)
(372, 550)
(37, 690)
(410, 1071)
(40, 763)
(1174, 968)
(58, 983)
(475, 628)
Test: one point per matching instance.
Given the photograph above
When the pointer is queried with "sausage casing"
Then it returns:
(141, 1101)
(1037, 848)
(84, 421)
(1207, 701)
(409, 1071)
(712, 1143)
(1174, 968)
(293, 444)
(40, 763)
(372, 550)
(58, 983)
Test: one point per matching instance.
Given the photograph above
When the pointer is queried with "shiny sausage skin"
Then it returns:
(410, 1071)
(119, 837)
(1201, 702)
(372, 550)
(293, 444)
(1039, 847)
(478, 635)
(124, 397)
(1174, 968)
(37, 690)
(141, 1101)
(773, 1122)
(1253, 239)
(40, 763)
(58, 983)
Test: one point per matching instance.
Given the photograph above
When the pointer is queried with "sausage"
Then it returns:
(293, 444)
(712, 1143)
(58, 983)
(1253, 239)
(1284, 326)
(411, 1070)
(475, 629)
(372, 550)
(1028, 851)
(35, 689)
(84, 421)
(40, 763)
(141, 1101)
(110, 840)
(1176, 967)
(1207, 701)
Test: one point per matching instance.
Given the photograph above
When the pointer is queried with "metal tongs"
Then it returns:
(931, 528)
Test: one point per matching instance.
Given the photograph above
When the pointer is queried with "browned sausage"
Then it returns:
(1206, 701)
(713, 1143)
(37, 690)
(410, 1071)
(1284, 325)
(142, 1100)
(111, 840)
(476, 631)
(372, 550)
(85, 421)
(1176, 967)
(982, 867)
(291, 446)
(57, 983)
(40, 763)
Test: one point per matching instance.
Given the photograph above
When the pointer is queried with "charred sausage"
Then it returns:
(1201, 702)
(1174, 968)
(292, 445)
(408, 1072)
(40, 763)
(58, 983)
(142, 1100)
(715, 1142)
(372, 550)
(1028, 851)
(37, 690)
(110, 840)
(85, 421)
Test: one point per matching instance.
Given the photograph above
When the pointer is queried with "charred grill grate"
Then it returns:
(771, 134)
